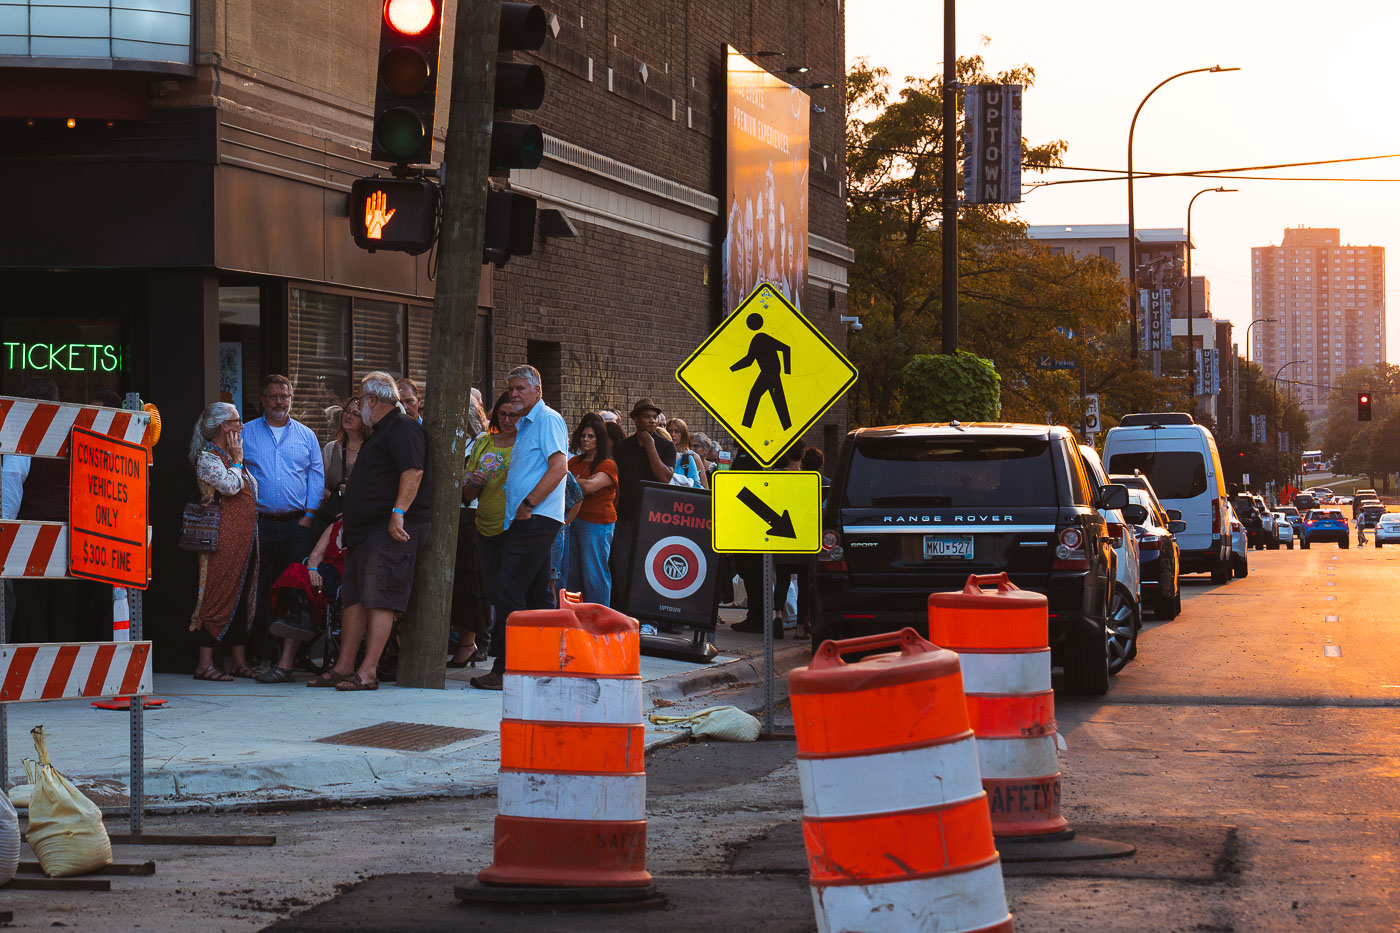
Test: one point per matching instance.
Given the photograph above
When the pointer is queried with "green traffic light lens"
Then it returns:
(404, 71)
(400, 132)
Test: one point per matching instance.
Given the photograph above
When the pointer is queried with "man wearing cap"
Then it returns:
(646, 455)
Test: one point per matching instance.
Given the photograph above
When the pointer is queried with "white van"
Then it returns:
(1180, 459)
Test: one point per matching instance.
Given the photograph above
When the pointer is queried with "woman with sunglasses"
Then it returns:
(486, 483)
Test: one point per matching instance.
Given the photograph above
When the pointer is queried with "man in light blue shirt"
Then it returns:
(285, 458)
(534, 511)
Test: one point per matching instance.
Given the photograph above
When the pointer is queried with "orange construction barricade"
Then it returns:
(895, 820)
(572, 786)
(1003, 641)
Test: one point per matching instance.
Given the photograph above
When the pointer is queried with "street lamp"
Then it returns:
(1262, 320)
(1132, 218)
(1191, 291)
(1277, 419)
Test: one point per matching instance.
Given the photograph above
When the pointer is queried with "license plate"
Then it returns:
(947, 547)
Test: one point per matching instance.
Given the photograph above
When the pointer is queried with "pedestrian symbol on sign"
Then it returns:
(765, 351)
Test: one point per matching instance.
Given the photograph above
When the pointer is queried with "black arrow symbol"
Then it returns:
(779, 526)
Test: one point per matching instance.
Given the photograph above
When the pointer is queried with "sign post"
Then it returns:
(767, 374)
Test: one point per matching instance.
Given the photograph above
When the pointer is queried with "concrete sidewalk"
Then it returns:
(243, 743)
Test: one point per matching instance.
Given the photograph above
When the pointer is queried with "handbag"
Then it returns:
(199, 527)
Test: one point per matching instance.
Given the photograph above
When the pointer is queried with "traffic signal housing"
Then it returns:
(1363, 406)
(510, 217)
(405, 95)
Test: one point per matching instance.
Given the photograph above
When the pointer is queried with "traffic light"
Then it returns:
(1363, 406)
(398, 214)
(405, 95)
(510, 217)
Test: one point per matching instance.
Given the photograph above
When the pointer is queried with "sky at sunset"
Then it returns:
(1315, 84)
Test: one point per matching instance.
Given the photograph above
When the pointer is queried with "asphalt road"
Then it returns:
(1249, 753)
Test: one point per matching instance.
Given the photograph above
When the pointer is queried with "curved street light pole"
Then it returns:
(1132, 219)
(1278, 421)
(1191, 294)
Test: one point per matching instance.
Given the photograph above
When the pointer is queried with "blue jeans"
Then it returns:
(559, 562)
(590, 544)
(523, 579)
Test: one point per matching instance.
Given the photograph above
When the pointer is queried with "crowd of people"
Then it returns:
(317, 544)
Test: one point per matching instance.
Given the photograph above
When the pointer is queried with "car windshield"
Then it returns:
(1174, 474)
(1391, 518)
(957, 472)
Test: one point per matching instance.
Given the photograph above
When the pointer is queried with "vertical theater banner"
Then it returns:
(767, 140)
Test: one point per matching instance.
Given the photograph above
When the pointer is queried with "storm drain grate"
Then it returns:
(402, 736)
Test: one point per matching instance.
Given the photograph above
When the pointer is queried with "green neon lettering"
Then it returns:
(109, 355)
(10, 364)
(29, 357)
(72, 349)
(54, 361)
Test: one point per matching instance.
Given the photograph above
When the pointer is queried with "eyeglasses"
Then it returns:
(507, 415)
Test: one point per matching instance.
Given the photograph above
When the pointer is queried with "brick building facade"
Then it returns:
(185, 201)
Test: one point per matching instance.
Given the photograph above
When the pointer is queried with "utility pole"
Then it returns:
(950, 178)
(423, 655)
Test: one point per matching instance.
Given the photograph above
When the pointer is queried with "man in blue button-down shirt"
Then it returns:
(534, 511)
(285, 459)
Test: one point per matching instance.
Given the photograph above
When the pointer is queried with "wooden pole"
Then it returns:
(423, 649)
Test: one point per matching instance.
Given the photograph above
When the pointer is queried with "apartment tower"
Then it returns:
(1327, 300)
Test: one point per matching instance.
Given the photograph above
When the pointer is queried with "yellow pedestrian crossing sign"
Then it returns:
(766, 512)
(767, 374)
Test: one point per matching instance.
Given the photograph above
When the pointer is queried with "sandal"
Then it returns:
(328, 678)
(245, 672)
(353, 682)
(214, 674)
(276, 675)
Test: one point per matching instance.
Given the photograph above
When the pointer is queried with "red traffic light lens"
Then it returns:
(1364, 399)
(410, 17)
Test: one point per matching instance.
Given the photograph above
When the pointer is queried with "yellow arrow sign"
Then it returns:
(758, 512)
(767, 374)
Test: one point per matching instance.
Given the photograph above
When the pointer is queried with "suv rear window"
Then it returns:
(956, 472)
(1174, 474)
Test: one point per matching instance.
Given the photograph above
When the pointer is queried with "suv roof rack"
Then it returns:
(1155, 419)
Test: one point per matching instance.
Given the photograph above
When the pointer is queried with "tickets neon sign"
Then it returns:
(63, 357)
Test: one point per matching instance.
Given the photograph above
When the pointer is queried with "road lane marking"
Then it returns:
(1329, 597)
(1332, 651)
(1331, 583)
(1329, 619)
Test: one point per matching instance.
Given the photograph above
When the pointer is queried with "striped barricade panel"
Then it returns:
(36, 549)
(75, 670)
(42, 429)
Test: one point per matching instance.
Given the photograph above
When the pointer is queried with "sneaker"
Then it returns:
(291, 627)
(491, 681)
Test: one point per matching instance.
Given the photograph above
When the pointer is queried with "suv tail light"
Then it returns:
(1115, 531)
(1070, 553)
(1150, 543)
(833, 556)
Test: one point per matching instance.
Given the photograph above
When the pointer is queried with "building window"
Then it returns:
(1109, 253)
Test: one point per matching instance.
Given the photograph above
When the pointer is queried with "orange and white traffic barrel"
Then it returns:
(895, 820)
(571, 808)
(1003, 641)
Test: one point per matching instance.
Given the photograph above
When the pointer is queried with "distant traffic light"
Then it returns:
(510, 217)
(1363, 406)
(405, 95)
(398, 214)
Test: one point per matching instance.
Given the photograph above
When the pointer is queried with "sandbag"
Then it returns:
(726, 723)
(65, 828)
(20, 793)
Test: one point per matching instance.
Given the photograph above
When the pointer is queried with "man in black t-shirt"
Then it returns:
(386, 513)
(648, 455)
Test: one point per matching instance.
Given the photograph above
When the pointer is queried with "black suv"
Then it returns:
(915, 509)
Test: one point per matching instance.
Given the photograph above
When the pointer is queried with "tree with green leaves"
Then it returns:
(1020, 306)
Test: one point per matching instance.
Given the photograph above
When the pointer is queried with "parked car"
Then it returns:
(1180, 459)
(1157, 547)
(1295, 518)
(1248, 514)
(915, 509)
(1322, 525)
(1285, 529)
(1388, 529)
(1239, 547)
(1323, 493)
(1125, 605)
(1305, 502)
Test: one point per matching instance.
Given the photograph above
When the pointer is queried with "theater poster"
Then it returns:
(766, 159)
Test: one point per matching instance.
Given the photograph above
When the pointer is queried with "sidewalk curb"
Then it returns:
(741, 670)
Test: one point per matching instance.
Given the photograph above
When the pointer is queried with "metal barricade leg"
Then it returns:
(138, 750)
(768, 584)
(4, 707)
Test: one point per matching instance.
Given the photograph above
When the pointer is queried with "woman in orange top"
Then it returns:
(590, 534)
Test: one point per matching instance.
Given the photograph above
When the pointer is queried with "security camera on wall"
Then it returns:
(853, 320)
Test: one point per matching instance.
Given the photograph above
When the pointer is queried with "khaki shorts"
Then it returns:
(379, 570)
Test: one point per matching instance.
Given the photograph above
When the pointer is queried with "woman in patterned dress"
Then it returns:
(228, 576)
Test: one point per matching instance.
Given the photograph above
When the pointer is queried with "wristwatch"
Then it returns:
(527, 505)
